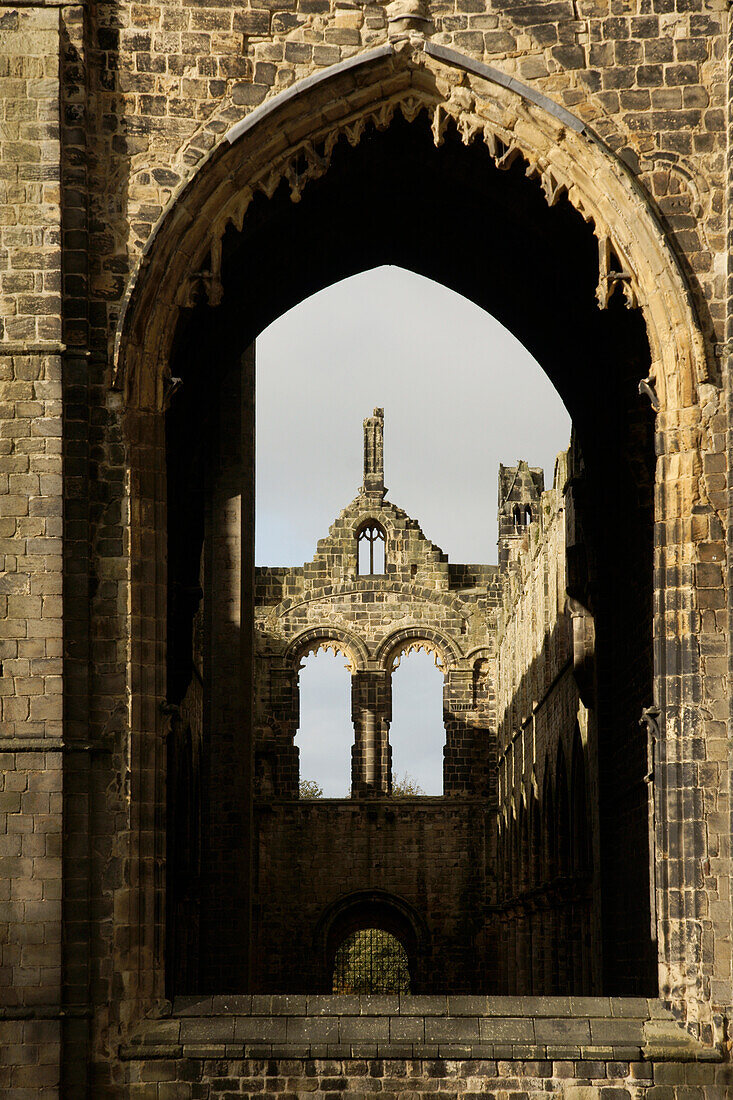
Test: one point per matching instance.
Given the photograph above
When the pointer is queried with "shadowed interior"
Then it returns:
(396, 198)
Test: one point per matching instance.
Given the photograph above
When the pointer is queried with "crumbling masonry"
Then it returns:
(414, 600)
(173, 177)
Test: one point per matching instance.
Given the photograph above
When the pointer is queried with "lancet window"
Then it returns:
(371, 543)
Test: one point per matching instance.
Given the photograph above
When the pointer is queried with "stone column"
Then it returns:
(374, 454)
(228, 667)
(371, 713)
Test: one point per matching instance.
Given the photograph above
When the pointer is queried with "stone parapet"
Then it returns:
(569, 1029)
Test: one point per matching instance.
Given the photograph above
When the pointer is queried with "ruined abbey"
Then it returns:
(431, 868)
(174, 923)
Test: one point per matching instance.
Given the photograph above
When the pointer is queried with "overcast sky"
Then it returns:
(460, 394)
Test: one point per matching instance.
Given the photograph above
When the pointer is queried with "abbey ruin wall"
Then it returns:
(176, 175)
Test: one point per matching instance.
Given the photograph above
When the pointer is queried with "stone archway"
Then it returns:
(291, 143)
(291, 138)
(402, 641)
(363, 909)
(328, 637)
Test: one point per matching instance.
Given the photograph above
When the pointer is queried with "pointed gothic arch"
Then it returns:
(256, 155)
(260, 163)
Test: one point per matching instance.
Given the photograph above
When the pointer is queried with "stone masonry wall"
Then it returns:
(429, 852)
(535, 648)
(533, 1079)
(630, 117)
(419, 601)
(648, 76)
(161, 83)
(590, 1048)
(434, 854)
(31, 496)
(547, 774)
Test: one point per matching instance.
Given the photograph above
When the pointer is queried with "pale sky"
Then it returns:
(460, 394)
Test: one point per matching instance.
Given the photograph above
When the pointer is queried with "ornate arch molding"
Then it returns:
(291, 138)
(374, 516)
(409, 638)
(328, 637)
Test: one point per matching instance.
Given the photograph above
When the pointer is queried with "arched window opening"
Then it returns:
(514, 856)
(523, 883)
(518, 516)
(325, 732)
(369, 961)
(373, 942)
(535, 854)
(527, 515)
(417, 733)
(501, 858)
(549, 869)
(371, 550)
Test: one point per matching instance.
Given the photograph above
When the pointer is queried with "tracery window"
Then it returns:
(371, 960)
(371, 544)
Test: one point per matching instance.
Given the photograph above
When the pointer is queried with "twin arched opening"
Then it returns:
(382, 720)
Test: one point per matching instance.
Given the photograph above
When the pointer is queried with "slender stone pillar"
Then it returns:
(284, 701)
(374, 454)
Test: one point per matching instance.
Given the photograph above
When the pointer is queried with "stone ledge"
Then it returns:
(418, 1028)
(478, 1051)
(639, 1008)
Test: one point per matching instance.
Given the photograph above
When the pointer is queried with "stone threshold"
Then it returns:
(601, 1029)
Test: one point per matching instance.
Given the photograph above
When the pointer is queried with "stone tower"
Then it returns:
(520, 490)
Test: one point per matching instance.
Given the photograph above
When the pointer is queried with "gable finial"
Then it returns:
(374, 453)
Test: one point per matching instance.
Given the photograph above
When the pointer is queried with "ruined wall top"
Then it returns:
(410, 558)
(371, 606)
(374, 454)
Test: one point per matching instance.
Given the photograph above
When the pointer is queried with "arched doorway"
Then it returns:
(372, 942)
(533, 194)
